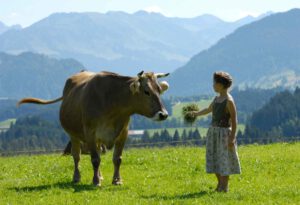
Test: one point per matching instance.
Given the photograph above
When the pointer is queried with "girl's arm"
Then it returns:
(204, 111)
(233, 117)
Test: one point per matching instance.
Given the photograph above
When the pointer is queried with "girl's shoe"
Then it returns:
(218, 187)
(225, 189)
(222, 189)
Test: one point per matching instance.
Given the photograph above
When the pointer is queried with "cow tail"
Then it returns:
(38, 101)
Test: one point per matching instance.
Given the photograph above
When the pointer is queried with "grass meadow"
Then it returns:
(170, 175)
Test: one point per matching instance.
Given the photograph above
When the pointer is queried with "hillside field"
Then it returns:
(177, 108)
(270, 175)
(6, 123)
(177, 113)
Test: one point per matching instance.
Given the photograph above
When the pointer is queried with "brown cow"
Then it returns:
(96, 108)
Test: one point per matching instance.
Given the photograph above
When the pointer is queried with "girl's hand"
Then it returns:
(231, 142)
(194, 113)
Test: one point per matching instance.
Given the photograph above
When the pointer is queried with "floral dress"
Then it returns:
(219, 158)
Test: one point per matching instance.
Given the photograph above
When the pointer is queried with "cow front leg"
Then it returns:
(99, 149)
(76, 157)
(117, 160)
(95, 159)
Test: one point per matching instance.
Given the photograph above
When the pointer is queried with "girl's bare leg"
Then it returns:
(224, 183)
(219, 181)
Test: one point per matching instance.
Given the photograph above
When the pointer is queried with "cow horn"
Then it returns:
(161, 75)
(140, 74)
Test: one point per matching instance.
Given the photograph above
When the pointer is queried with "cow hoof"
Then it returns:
(76, 181)
(97, 184)
(97, 181)
(117, 181)
(76, 177)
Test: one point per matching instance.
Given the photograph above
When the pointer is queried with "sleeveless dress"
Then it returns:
(220, 159)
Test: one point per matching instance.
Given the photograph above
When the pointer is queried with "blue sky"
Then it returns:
(26, 12)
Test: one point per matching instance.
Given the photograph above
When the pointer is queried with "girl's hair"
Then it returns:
(223, 78)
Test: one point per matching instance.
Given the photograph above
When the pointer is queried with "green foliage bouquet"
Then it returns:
(187, 112)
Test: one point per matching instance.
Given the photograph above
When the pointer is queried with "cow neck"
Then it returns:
(131, 100)
(125, 98)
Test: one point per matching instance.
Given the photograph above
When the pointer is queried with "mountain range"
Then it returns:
(121, 42)
(262, 54)
(4, 28)
(34, 75)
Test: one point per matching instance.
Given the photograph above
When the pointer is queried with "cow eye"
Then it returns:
(147, 92)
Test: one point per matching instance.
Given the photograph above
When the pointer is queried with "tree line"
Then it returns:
(163, 138)
(33, 133)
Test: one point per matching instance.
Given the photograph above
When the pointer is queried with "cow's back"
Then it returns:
(70, 110)
(77, 80)
(80, 99)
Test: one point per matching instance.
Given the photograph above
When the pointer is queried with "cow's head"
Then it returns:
(147, 90)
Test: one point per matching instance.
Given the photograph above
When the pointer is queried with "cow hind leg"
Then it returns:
(68, 149)
(95, 159)
(76, 157)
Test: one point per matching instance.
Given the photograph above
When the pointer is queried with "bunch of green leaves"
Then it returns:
(188, 115)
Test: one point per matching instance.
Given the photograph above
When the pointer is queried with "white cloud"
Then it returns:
(13, 15)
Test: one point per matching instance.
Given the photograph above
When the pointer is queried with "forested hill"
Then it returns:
(279, 117)
(264, 54)
(33, 133)
(30, 74)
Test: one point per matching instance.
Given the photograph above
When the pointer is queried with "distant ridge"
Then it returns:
(263, 54)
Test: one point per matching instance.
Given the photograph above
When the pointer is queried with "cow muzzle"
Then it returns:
(160, 115)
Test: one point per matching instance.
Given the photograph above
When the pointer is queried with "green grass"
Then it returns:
(177, 108)
(270, 175)
(6, 123)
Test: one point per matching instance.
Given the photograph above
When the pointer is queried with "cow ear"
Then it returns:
(135, 87)
(140, 74)
(164, 85)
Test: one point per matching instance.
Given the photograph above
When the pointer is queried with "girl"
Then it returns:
(221, 146)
